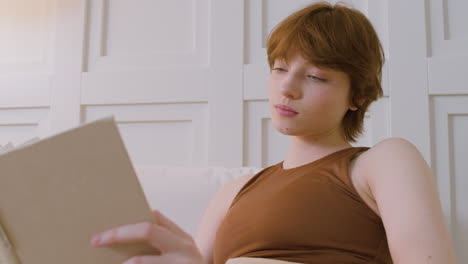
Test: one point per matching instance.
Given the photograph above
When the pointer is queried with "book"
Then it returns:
(57, 192)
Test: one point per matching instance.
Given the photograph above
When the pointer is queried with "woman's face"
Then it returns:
(317, 97)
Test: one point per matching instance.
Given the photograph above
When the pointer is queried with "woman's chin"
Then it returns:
(286, 130)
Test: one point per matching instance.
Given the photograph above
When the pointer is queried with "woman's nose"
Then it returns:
(290, 87)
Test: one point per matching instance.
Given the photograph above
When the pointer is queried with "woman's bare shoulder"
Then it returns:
(387, 158)
(375, 163)
(389, 150)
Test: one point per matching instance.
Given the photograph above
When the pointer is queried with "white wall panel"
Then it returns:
(447, 41)
(455, 19)
(450, 127)
(68, 61)
(159, 134)
(148, 63)
(18, 125)
(408, 76)
(127, 35)
(447, 75)
(142, 27)
(27, 34)
(447, 22)
(182, 84)
(24, 90)
(225, 86)
(377, 12)
(447, 46)
(255, 81)
(458, 126)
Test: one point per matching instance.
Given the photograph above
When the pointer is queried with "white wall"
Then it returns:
(186, 80)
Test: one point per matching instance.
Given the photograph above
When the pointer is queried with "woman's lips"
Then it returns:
(285, 111)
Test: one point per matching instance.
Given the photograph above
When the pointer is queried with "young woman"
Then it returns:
(327, 202)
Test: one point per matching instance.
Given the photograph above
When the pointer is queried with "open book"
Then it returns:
(57, 192)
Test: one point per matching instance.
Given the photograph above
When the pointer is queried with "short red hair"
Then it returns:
(340, 38)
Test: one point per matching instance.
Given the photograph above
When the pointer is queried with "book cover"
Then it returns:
(59, 191)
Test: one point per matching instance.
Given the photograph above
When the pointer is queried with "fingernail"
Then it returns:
(96, 240)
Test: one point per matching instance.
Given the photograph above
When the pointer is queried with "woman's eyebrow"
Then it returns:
(314, 67)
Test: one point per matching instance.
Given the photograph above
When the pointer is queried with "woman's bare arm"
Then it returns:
(214, 214)
(404, 188)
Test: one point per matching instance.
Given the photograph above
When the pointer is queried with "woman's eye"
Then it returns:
(278, 69)
(315, 78)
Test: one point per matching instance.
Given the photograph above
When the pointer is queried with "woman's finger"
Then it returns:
(163, 259)
(167, 223)
(157, 236)
(148, 260)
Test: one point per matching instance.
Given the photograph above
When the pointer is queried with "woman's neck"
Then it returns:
(303, 150)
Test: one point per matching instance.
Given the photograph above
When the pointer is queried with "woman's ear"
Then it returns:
(360, 100)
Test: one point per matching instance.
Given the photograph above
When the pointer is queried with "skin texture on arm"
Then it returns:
(402, 184)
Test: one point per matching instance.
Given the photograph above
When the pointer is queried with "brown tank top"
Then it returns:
(308, 214)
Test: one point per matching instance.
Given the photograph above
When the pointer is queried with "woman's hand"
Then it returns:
(175, 245)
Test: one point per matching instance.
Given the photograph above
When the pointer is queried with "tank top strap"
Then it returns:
(342, 164)
(347, 155)
(342, 176)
